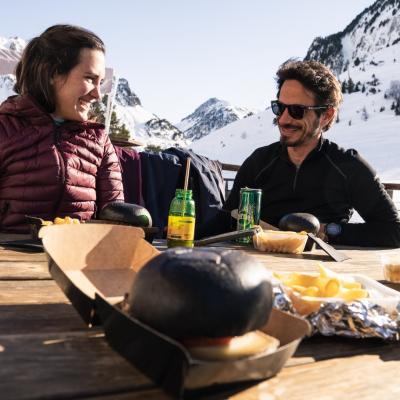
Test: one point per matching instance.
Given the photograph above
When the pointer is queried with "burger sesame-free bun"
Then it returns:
(298, 222)
(212, 293)
(127, 213)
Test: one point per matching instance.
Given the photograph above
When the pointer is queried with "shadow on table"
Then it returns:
(321, 348)
(303, 256)
(220, 392)
(39, 318)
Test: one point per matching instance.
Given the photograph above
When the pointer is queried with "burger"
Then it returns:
(213, 301)
(127, 213)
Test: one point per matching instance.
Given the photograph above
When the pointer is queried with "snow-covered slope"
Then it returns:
(376, 28)
(6, 86)
(211, 115)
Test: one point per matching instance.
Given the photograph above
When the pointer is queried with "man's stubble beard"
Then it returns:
(303, 139)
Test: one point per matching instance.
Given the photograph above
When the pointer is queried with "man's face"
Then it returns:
(298, 132)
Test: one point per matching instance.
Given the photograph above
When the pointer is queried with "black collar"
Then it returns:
(315, 152)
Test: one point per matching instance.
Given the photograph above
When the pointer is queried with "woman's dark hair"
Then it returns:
(55, 52)
(315, 77)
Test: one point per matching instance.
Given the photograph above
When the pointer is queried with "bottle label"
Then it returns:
(180, 228)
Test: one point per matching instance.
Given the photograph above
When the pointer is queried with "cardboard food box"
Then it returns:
(95, 265)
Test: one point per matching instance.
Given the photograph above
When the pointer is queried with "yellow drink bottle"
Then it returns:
(181, 219)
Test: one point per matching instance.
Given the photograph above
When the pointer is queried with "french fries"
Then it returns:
(308, 292)
(61, 221)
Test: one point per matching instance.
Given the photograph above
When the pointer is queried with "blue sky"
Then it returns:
(176, 54)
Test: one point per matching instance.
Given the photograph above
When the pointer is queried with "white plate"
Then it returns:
(379, 294)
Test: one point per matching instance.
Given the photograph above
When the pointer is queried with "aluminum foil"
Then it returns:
(358, 319)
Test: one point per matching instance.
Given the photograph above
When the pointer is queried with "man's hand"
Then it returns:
(321, 233)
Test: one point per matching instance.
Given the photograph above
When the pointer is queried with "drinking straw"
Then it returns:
(187, 173)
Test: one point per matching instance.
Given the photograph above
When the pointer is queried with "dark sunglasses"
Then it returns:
(296, 111)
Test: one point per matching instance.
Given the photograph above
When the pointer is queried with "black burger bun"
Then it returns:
(298, 222)
(186, 293)
(126, 213)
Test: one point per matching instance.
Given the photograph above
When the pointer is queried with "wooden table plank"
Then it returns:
(72, 365)
(318, 348)
(30, 292)
(27, 256)
(363, 260)
(80, 378)
(24, 270)
(39, 318)
(367, 377)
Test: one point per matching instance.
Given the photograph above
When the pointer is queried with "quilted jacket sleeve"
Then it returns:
(109, 181)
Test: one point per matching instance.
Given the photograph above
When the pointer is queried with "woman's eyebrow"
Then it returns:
(95, 76)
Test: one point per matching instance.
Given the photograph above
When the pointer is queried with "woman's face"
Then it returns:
(75, 91)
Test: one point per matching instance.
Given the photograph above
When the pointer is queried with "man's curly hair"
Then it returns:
(317, 78)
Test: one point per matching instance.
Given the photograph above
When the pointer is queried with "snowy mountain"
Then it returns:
(142, 124)
(10, 52)
(6, 86)
(376, 28)
(211, 115)
(366, 58)
(148, 128)
(124, 95)
(15, 44)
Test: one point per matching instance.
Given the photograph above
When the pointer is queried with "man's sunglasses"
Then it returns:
(296, 111)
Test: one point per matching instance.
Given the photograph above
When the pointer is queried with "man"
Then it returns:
(304, 172)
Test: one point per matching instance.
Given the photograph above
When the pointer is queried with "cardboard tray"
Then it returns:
(95, 266)
(35, 224)
(99, 258)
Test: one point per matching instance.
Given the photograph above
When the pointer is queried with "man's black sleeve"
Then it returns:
(369, 198)
(223, 222)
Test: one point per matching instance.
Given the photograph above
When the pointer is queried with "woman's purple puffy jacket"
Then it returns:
(48, 170)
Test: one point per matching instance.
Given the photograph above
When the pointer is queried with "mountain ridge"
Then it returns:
(211, 115)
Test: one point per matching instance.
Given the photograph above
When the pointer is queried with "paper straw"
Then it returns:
(187, 173)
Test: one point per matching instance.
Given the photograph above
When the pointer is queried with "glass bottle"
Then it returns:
(181, 219)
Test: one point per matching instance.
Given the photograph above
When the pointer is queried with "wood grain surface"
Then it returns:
(47, 352)
(23, 270)
(367, 377)
(64, 365)
(30, 292)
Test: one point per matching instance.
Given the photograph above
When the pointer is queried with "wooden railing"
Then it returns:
(390, 187)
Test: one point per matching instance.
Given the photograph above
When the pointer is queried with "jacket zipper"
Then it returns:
(3, 211)
(295, 177)
(62, 167)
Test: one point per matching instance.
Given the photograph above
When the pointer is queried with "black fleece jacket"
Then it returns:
(329, 184)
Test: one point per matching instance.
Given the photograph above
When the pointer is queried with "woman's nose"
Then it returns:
(96, 92)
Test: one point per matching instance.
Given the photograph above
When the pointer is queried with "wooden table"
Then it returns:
(46, 351)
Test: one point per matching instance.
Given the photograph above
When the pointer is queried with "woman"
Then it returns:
(53, 160)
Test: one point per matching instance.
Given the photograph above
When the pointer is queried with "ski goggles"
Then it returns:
(296, 111)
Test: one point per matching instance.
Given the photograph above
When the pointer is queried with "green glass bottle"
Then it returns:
(181, 219)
